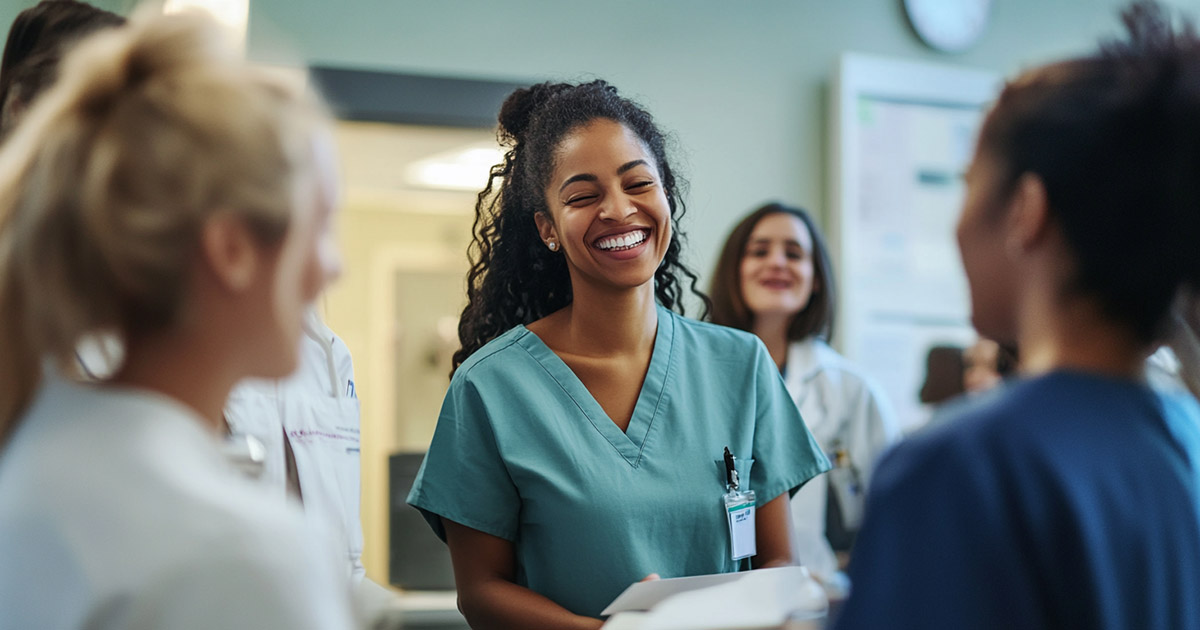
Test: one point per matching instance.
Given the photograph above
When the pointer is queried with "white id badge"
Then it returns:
(739, 508)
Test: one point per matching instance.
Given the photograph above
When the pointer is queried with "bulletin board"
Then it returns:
(904, 133)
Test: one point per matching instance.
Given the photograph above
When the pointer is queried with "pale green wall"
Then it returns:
(742, 84)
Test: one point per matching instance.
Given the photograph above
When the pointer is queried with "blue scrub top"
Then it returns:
(522, 451)
(1069, 500)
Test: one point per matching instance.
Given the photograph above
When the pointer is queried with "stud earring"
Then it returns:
(552, 245)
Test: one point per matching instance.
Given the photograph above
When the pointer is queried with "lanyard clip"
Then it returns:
(731, 473)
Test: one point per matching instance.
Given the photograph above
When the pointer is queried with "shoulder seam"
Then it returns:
(717, 328)
(484, 357)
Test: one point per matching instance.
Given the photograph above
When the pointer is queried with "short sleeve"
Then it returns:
(785, 453)
(463, 477)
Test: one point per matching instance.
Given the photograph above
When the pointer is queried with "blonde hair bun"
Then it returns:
(104, 185)
(151, 47)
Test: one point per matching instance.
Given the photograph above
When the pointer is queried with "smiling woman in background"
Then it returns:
(774, 278)
(1071, 497)
(577, 449)
(166, 192)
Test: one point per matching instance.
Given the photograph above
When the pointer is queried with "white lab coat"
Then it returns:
(317, 409)
(118, 510)
(845, 411)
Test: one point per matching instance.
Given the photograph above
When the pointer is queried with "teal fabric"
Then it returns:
(522, 451)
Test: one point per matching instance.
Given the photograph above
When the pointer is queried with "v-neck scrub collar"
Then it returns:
(629, 443)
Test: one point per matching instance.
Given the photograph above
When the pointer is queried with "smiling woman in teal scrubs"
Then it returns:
(578, 447)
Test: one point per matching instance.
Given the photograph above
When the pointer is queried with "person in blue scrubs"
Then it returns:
(579, 448)
(1069, 497)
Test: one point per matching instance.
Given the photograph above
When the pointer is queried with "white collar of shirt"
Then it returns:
(805, 359)
(322, 335)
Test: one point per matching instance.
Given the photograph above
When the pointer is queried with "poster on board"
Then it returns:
(904, 135)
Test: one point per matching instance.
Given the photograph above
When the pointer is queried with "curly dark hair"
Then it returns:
(514, 279)
(1115, 139)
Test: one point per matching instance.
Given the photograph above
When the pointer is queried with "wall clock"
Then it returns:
(949, 25)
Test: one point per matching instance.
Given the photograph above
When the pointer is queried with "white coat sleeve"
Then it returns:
(871, 428)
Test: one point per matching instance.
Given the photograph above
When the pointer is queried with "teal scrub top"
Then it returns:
(522, 451)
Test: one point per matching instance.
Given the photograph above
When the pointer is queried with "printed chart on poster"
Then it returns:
(905, 133)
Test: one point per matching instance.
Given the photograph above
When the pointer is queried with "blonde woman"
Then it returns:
(165, 192)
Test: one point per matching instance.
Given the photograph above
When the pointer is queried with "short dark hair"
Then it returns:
(1115, 139)
(729, 305)
(36, 42)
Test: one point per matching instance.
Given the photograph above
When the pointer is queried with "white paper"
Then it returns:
(644, 595)
(764, 598)
(626, 621)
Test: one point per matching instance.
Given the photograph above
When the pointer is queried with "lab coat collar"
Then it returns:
(317, 330)
(804, 359)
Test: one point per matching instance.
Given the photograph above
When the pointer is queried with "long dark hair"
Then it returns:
(514, 279)
(36, 42)
(1115, 139)
(728, 302)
